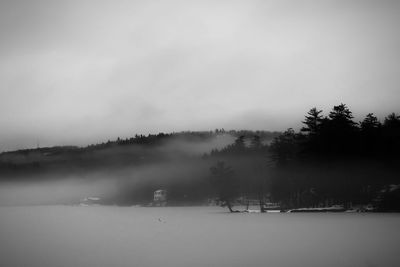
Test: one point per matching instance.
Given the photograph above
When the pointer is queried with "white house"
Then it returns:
(160, 197)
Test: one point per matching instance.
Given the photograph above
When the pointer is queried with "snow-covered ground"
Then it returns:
(203, 236)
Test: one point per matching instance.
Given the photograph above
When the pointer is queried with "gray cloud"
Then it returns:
(75, 72)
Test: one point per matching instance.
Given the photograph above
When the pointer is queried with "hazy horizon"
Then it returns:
(81, 72)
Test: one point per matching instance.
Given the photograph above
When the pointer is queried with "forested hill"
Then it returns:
(137, 150)
(331, 160)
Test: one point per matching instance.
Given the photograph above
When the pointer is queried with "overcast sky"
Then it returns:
(78, 72)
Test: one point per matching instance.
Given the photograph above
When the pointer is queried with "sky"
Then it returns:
(82, 72)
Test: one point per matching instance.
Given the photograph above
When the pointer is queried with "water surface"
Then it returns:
(201, 236)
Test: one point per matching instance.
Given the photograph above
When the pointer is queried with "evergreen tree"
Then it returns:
(391, 134)
(342, 116)
(339, 131)
(370, 134)
(312, 121)
(284, 147)
(392, 121)
(370, 123)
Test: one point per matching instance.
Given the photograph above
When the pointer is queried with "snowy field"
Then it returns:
(202, 236)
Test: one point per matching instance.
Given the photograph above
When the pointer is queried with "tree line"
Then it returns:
(338, 135)
(331, 160)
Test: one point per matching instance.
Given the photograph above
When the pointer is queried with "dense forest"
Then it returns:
(331, 160)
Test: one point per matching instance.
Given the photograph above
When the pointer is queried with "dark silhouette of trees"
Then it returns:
(224, 183)
(332, 135)
(331, 160)
(391, 135)
(284, 147)
(392, 121)
(370, 135)
(341, 114)
(238, 147)
(312, 129)
(339, 131)
(313, 121)
(370, 123)
(328, 160)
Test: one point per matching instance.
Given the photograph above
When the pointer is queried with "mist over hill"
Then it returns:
(123, 171)
(332, 160)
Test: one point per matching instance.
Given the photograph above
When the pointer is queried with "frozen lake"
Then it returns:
(203, 236)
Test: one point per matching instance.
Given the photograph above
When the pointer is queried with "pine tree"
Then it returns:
(370, 134)
(370, 122)
(312, 121)
(340, 131)
(342, 116)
